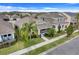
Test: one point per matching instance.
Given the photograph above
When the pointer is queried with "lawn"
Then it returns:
(51, 45)
(18, 46)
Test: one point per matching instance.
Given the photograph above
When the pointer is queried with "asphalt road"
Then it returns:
(71, 48)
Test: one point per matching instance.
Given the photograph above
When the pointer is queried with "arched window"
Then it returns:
(62, 26)
(14, 19)
(53, 26)
(59, 26)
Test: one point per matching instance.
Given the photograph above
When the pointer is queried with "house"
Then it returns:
(10, 18)
(43, 20)
(4, 17)
(24, 20)
(6, 32)
(72, 18)
(51, 20)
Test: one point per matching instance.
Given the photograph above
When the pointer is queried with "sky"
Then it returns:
(40, 7)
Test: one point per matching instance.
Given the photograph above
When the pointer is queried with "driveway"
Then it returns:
(71, 48)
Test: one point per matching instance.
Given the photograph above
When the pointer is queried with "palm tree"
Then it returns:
(31, 28)
(27, 29)
(24, 32)
(77, 17)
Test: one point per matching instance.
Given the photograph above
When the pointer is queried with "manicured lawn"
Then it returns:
(18, 46)
(51, 45)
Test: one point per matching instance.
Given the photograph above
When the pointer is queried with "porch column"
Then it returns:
(0, 39)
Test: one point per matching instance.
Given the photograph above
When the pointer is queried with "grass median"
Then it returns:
(51, 45)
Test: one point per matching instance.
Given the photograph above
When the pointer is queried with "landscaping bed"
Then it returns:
(51, 45)
(18, 46)
(56, 35)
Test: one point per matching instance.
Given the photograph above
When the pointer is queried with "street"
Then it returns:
(70, 48)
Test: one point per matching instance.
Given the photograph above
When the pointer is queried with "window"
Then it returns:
(53, 26)
(59, 26)
(36, 17)
(5, 35)
(75, 23)
(62, 26)
(9, 34)
(6, 19)
(14, 19)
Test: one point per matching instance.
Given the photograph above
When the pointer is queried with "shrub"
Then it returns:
(50, 32)
(69, 30)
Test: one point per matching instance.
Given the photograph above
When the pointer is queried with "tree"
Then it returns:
(30, 29)
(69, 30)
(24, 32)
(51, 32)
(77, 17)
(17, 33)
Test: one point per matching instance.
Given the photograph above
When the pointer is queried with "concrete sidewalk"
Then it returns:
(36, 46)
(26, 50)
(44, 38)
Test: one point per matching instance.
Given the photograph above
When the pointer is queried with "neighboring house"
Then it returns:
(43, 20)
(24, 20)
(4, 17)
(72, 16)
(10, 18)
(6, 32)
(51, 20)
(13, 18)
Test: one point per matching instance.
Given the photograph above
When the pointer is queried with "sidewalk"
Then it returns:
(44, 38)
(26, 50)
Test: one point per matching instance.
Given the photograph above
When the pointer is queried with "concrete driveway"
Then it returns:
(71, 48)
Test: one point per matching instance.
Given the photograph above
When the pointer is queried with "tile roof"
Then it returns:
(5, 27)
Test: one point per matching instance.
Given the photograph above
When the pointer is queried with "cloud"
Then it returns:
(72, 3)
(49, 8)
(32, 9)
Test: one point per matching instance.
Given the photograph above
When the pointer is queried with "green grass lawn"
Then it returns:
(51, 45)
(18, 46)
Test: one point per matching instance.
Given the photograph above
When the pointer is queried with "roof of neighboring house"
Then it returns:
(24, 20)
(71, 14)
(5, 27)
(15, 16)
(50, 15)
(3, 17)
